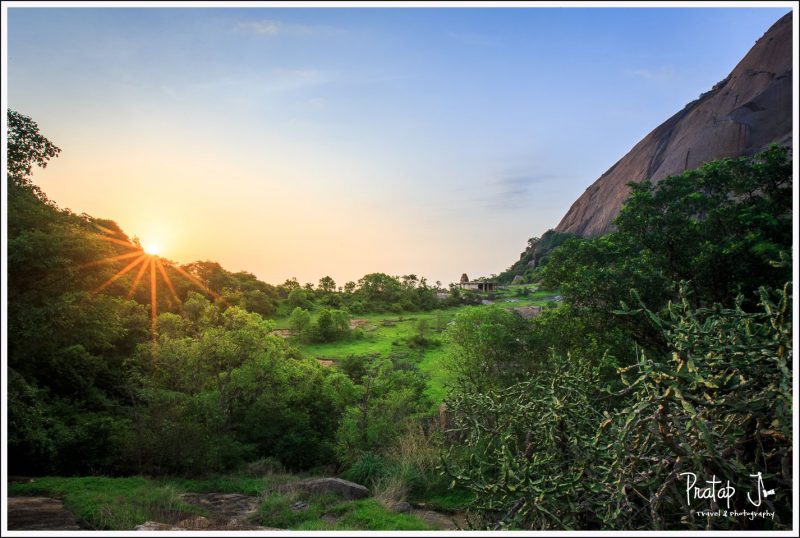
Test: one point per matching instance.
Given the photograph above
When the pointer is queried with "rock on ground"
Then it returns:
(401, 507)
(39, 513)
(343, 488)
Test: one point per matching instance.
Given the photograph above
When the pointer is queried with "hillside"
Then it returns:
(740, 115)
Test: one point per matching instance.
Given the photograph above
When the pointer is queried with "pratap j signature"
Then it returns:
(715, 490)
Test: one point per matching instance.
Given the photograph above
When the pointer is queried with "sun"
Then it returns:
(147, 259)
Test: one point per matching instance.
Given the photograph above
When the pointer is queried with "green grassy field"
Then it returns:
(387, 333)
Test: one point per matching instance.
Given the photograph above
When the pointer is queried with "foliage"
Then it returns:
(26, 148)
(554, 452)
(534, 256)
(487, 346)
(719, 227)
(526, 451)
(385, 397)
(104, 503)
(720, 404)
(331, 325)
(205, 396)
(366, 514)
(300, 322)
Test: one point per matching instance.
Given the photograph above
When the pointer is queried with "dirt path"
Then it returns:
(39, 513)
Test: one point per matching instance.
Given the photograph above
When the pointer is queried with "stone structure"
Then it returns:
(476, 285)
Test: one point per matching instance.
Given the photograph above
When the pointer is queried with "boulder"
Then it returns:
(320, 486)
(401, 507)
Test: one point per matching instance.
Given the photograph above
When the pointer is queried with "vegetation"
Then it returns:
(328, 512)
(534, 256)
(666, 349)
(704, 370)
(103, 503)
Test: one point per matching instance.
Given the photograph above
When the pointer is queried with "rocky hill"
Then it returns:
(740, 115)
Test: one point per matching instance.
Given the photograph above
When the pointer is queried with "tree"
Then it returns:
(331, 325)
(287, 287)
(720, 226)
(299, 297)
(385, 397)
(488, 346)
(300, 322)
(724, 227)
(26, 147)
(327, 284)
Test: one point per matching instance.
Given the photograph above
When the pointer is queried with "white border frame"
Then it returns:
(397, 5)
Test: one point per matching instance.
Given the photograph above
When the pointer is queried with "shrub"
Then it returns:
(553, 452)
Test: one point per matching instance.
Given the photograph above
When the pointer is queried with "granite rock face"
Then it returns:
(741, 115)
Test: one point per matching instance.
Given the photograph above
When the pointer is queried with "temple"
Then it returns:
(476, 285)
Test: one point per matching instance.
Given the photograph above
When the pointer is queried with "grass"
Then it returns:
(433, 366)
(328, 512)
(104, 503)
(389, 332)
(446, 500)
(112, 503)
(226, 484)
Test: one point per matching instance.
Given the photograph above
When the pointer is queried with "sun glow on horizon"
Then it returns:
(145, 257)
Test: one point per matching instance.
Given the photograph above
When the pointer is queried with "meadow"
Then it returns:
(389, 333)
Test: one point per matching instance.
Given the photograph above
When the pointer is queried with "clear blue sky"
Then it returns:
(306, 142)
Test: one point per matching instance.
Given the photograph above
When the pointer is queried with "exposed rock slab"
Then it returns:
(156, 526)
(337, 486)
(740, 115)
(39, 513)
(226, 511)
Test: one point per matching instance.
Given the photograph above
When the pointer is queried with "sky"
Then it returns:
(344, 141)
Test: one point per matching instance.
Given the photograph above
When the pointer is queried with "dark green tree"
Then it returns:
(26, 147)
